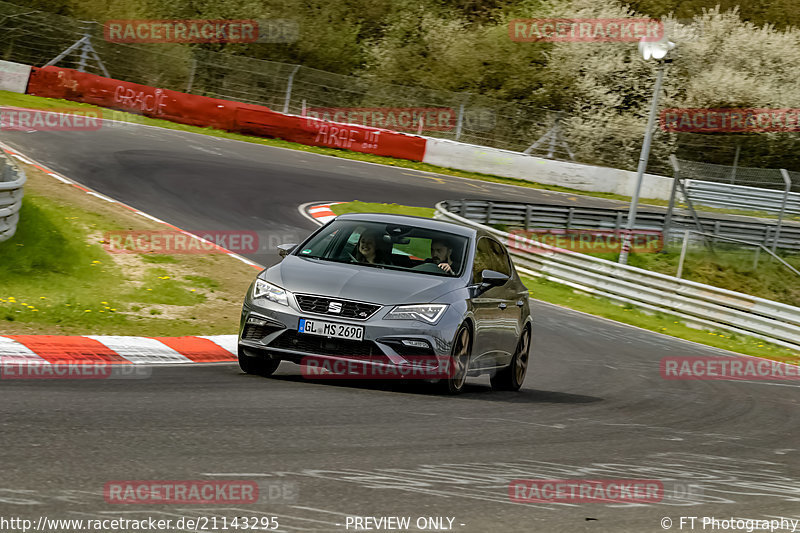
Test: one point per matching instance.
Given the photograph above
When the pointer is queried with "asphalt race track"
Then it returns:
(594, 405)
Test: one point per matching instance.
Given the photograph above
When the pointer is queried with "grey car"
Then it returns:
(390, 290)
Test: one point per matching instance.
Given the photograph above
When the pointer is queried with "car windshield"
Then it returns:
(393, 246)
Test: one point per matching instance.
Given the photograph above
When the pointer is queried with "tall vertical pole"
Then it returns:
(460, 121)
(735, 162)
(84, 50)
(289, 89)
(643, 157)
(788, 182)
(683, 253)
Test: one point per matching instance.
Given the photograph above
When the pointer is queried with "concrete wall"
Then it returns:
(14, 76)
(509, 164)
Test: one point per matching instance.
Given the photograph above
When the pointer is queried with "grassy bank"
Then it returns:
(549, 291)
(58, 278)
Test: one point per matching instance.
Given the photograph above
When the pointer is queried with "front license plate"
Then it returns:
(331, 329)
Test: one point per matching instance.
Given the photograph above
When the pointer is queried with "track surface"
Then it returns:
(593, 406)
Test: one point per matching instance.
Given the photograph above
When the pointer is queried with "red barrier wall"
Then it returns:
(68, 84)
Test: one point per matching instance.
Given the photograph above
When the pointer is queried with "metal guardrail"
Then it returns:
(12, 180)
(741, 197)
(530, 216)
(697, 304)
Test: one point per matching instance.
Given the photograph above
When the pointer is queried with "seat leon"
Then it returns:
(391, 291)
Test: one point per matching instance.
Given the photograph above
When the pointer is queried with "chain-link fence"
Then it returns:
(36, 38)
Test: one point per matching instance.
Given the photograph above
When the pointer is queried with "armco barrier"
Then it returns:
(54, 82)
(528, 216)
(715, 194)
(12, 180)
(699, 305)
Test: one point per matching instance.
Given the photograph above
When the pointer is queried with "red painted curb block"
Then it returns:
(111, 349)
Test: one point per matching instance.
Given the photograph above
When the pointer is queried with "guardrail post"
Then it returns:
(489, 206)
(569, 217)
(618, 223)
(528, 210)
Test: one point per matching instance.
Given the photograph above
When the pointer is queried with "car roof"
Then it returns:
(420, 222)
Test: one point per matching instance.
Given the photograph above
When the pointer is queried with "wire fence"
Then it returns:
(36, 38)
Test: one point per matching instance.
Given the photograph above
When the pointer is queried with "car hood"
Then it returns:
(354, 282)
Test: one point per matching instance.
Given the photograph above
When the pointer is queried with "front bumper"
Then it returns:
(382, 343)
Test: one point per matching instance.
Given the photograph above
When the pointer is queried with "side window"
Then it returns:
(500, 258)
(482, 259)
(490, 255)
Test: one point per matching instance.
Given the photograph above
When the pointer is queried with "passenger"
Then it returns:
(374, 248)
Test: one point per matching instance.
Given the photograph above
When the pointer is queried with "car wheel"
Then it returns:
(462, 348)
(260, 366)
(511, 377)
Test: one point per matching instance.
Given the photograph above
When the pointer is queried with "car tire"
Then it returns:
(461, 355)
(260, 366)
(511, 377)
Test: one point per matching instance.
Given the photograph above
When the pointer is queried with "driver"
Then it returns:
(442, 254)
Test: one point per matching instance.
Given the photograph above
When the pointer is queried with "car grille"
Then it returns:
(350, 309)
(292, 340)
(253, 332)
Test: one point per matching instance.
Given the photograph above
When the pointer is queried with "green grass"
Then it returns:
(727, 267)
(550, 291)
(366, 207)
(557, 293)
(58, 279)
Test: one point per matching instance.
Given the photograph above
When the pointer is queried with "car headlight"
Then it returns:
(430, 313)
(264, 289)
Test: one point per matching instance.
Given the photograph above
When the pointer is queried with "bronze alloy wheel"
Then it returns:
(460, 360)
(511, 377)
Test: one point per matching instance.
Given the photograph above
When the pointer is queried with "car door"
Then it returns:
(511, 312)
(495, 310)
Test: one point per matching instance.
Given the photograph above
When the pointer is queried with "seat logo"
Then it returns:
(334, 307)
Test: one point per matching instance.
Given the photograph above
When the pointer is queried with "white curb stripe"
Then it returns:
(226, 342)
(140, 350)
(13, 351)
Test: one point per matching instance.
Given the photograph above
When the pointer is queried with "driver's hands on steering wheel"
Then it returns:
(447, 268)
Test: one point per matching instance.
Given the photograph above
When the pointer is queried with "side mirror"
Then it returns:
(492, 278)
(285, 249)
